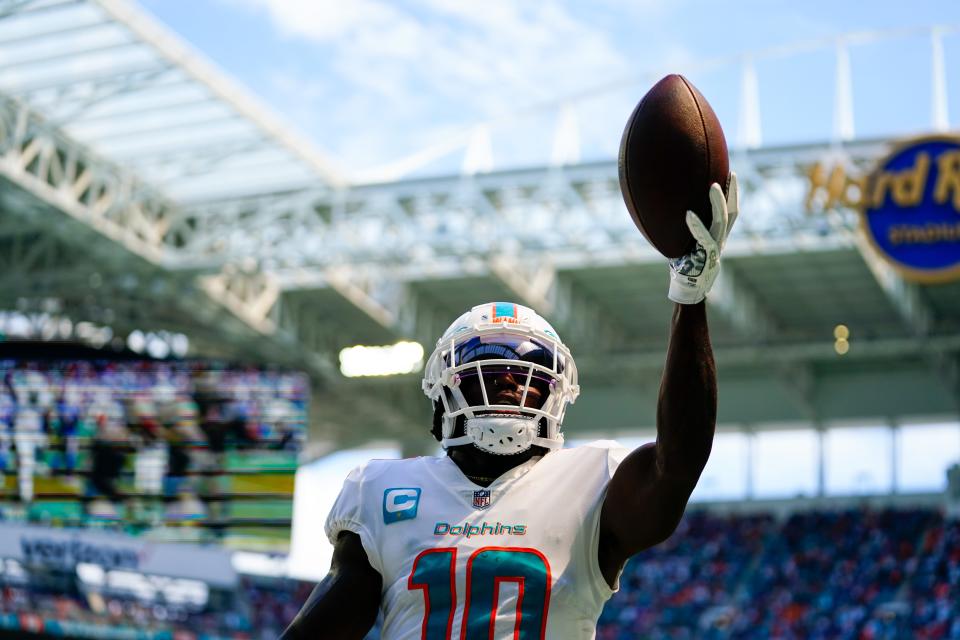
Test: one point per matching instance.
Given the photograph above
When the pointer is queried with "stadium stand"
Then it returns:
(143, 443)
(858, 574)
(821, 574)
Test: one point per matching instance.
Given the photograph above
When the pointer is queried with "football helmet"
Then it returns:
(502, 371)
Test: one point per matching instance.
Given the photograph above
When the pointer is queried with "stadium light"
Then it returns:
(841, 336)
(395, 359)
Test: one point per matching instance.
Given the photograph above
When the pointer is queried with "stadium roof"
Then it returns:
(115, 79)
(141, 189)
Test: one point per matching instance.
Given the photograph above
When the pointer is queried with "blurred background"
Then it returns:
(231, 229)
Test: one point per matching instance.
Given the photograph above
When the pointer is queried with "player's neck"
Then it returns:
(483, 468)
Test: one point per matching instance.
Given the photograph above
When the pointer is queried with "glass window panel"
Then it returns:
(629, 442)
(725, 477)
(637, 441)
(858, 461)
(785, 464)
(924, 454)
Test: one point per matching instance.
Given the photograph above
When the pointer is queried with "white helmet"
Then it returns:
(467, 371)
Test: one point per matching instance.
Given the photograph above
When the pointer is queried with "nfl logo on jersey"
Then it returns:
(481, 499)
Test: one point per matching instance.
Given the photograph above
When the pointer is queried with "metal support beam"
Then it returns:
(939, 110)
(843, 127)
(530, 281)
(57, 56)
(24, 7)
(156, 107)
(799, 380)
(358, 292)
(583, 322)
(92, 77)
(749, 131)
(249, 296)
(100, 92)
(785, 354)
(67, 195)
(947, 365)
(740, 306)
(59, 176)
(55, 31)
(11, 7)
(122, 135)
(187, 157)
(442, 227)
(906, 297)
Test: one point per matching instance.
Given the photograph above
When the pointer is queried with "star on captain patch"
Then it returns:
(481, 499)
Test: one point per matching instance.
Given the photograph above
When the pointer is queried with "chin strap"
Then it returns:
(501, 435)
(456, 442)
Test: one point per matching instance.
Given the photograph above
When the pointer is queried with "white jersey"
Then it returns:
(517, 559)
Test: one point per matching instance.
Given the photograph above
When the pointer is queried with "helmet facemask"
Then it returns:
(505, 380)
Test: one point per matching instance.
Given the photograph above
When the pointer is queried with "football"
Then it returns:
(672, 150)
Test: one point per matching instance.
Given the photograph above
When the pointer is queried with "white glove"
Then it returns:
(692, 275)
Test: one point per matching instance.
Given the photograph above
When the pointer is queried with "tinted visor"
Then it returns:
(506, 384)
(504, 346)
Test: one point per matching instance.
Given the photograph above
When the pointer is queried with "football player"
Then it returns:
(509, 535)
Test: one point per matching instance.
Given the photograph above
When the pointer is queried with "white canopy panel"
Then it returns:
(113, 78)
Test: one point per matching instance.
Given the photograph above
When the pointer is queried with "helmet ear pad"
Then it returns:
(436, 430)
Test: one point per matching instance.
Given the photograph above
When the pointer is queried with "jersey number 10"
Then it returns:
(434, 571)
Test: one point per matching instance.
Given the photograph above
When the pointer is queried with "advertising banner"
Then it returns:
(63, 549)
(909, 205)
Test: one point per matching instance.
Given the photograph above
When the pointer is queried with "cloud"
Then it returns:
(325, 20)
(403, 72)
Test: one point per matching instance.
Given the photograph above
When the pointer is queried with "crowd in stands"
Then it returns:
(89, 422)
(858, 574)
(274, 605)
(257, 611)
(933, 585)
(689, 577)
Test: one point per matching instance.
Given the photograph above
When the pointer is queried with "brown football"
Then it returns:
(672, 150)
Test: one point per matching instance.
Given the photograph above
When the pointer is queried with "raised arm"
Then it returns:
(649, 491)
(343, 606)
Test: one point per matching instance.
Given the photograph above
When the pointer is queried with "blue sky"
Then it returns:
(371, 81)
